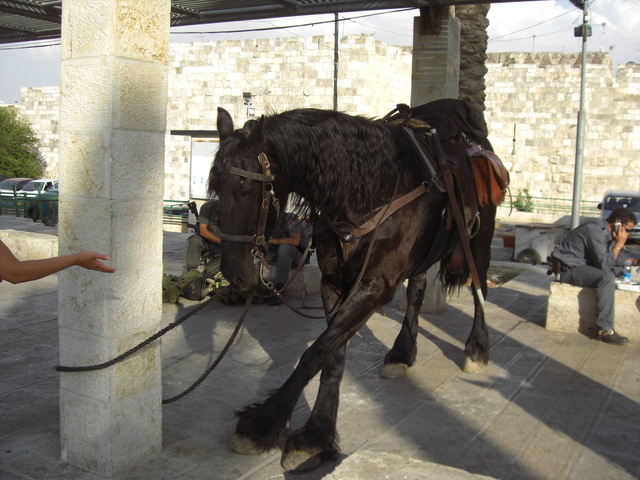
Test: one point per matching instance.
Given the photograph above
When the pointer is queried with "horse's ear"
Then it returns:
(225, 123)
(259, 131)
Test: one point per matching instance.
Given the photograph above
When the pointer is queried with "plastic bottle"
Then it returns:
(626, 277)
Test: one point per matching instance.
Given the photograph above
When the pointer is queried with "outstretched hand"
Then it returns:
(90, 261)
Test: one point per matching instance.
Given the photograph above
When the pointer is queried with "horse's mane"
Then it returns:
(339, 161)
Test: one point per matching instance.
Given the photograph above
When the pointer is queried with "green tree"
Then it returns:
(19, 155)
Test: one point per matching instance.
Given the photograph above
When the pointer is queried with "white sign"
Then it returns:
(202, 152)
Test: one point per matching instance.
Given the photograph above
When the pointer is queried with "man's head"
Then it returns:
(622, 215)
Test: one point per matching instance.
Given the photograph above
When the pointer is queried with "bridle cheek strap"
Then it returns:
(266, 177)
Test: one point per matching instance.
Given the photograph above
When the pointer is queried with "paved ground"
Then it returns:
(549, 406)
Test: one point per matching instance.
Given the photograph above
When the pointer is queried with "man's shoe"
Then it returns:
(609, 336)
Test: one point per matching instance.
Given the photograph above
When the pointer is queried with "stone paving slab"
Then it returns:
(550, 405)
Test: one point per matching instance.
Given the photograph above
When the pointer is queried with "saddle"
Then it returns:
(472, 159)
(480, 177)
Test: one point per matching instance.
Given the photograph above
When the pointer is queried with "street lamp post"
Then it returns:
(577, 175)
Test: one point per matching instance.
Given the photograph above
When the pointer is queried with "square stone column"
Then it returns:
(112, 132)
(435, 71)
(435, 74)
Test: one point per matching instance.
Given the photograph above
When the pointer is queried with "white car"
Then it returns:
(628, 200)
(35, 187)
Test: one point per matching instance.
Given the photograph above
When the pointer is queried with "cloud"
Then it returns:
(548, 26)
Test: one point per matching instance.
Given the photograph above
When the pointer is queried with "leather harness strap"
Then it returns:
(457, 213)
(388, 210)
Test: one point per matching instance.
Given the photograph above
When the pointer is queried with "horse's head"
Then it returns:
(242, 179)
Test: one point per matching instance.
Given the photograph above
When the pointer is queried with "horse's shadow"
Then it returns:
(533, 384)
(266, 353)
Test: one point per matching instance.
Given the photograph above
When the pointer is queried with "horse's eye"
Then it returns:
(246, 193)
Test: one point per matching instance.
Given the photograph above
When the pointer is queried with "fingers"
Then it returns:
(90, 261)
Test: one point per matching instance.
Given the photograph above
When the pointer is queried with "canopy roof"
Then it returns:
(29, 20)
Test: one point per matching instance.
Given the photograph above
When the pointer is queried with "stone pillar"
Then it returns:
(112, 128)
(435, 75)
(436, 58)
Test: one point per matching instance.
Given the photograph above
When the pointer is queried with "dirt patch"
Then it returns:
(498, 276)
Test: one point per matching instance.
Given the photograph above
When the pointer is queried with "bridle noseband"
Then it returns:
(268, 197)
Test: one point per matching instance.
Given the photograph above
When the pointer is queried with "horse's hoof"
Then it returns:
(394, 370)
(473, 367)
(243, 445)
(301, 461)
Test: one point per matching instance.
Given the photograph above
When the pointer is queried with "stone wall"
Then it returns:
(40, 107)
(281, 75)
(537, 97)
(536, 93)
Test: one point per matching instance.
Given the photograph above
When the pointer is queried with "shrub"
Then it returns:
(524, 203)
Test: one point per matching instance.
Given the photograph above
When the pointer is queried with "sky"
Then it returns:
(533, 26)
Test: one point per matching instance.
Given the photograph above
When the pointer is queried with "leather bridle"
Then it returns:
(268, 197)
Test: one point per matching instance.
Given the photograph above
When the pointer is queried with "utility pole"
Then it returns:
(336, 61)
(585, 31)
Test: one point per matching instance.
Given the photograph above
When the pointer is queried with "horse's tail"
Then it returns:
(453, 281)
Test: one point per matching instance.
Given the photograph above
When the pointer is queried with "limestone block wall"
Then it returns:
(538, 94)
(40, 107)
(532, 104)
(281, 75)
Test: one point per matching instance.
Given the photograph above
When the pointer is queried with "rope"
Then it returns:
(128, 353)
(217, 360)
(137, 348)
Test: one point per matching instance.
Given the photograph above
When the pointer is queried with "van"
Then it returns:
(628, 200)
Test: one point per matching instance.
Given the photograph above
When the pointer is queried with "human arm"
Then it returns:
(16, 271)
(208, 234)
(288, 232)
(293, 240)
(620, 237)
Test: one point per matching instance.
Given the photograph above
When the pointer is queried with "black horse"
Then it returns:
(347, 169)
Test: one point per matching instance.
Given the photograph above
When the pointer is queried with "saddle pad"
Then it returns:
(491, 178)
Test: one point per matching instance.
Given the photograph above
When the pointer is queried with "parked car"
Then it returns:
(3, 177)
(35, 187)
(629, 200)
(7, 185)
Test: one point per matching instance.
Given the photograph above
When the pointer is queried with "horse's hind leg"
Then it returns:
(477, 346)
(404, 350)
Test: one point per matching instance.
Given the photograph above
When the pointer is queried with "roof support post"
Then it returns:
(436, 55)
(112, 131)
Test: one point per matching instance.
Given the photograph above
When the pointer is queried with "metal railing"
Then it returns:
(553, 206)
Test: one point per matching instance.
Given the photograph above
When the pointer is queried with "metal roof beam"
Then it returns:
(30, 10)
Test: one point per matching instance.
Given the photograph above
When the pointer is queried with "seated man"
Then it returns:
(591, 256)
(286, 246)
(203, 247)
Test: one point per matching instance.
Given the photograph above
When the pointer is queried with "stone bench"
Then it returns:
(573, 309)
(30, 245)
(307, 282)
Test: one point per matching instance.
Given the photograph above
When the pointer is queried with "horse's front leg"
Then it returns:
(317, 442)
(403, 353)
